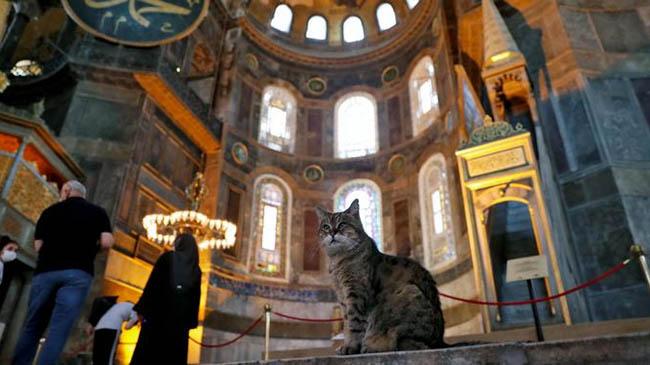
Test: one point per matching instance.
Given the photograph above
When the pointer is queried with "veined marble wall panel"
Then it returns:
(474, 325)
(619, 120)
(127, 270)
(462, 287)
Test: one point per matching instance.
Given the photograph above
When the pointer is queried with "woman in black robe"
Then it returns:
(169, 305)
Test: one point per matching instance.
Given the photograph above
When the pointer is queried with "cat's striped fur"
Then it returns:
(389, 303)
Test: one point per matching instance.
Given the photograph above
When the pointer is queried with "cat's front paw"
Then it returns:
(348, 349)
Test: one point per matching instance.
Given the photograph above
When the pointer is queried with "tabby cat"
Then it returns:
(389, 303)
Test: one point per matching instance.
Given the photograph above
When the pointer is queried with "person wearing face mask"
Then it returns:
(8, 253)
(67, 238)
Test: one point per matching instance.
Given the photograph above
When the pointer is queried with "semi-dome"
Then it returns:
(336, 32)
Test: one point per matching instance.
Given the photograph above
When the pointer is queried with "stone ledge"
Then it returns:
(628, 349)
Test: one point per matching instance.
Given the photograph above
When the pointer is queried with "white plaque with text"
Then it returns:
(526, 268)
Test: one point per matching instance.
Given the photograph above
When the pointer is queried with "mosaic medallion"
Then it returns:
(390, 74)
(252, 62)
(316, 85)
(239, 153)
(313, 173)
(397, 164)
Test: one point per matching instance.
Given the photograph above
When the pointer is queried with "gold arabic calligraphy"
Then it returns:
(154, 6)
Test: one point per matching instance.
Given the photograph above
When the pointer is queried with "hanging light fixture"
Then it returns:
(209, 233)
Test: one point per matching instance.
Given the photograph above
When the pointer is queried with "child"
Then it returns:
(107, 331)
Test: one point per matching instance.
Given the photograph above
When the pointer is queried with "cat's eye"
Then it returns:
(341, 226)
(326, 227)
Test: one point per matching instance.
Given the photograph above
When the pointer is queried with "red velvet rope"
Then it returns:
(591, 282)
(318, 320)
(219, 345)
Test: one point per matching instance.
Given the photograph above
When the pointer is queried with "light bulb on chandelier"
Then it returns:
(209, 233)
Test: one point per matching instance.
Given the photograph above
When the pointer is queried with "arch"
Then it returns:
(353, 29)
(271, 228)
(424, 95)
(316, 28)
(278, 119)
(435, 212)
(370, 207)
(355, 125)
(386, 17)
(282, 17)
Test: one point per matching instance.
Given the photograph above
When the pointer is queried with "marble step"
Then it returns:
(620, 349)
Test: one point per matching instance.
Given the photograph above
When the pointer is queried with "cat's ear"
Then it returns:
(322, 213)
(354, 208)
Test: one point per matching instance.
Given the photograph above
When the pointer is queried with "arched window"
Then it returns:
(353, 30)
(370, 211)
(355, 125)
(386, 16)
(412, 3)
(437, 232)
(278, 119)
(424, 96)
(282, 17)
(316, 28)
(271, 222)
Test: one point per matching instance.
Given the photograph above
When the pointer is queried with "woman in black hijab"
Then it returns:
(169, 305)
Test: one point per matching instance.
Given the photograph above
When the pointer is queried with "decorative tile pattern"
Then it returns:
(273, 292)
(30, 194)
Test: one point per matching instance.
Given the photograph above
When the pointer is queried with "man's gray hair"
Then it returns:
(77, 186)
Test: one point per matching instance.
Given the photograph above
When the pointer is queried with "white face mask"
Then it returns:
(8, 256)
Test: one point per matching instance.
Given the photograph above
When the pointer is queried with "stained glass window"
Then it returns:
(316, 28)
(438, 235)
(271, 218)
(356, 125)
(353, 30)
(370, 209)
(282, 17)
(386, 18)
(278, 119)
(424, 96)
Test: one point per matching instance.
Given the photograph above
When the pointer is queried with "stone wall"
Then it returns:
(588, 65)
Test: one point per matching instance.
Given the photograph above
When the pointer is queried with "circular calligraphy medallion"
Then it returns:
(316, 85)
(390, 74)
(313, 173)
(142, 23)
(239, 153)
(396, 164)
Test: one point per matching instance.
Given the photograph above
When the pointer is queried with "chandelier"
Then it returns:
(209, 233)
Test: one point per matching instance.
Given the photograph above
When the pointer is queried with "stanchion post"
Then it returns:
(267, 334)
(38, 350)
(637, 252)
(538, 325)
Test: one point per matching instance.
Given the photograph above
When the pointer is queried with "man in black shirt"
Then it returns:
(68, 236)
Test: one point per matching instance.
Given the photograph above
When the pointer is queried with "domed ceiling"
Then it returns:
(336, 33)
